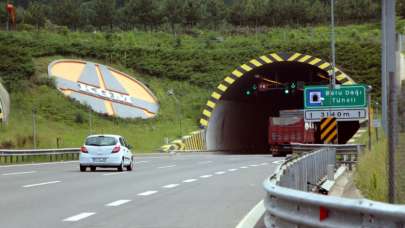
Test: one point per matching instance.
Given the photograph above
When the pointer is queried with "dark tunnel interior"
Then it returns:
(239, 122)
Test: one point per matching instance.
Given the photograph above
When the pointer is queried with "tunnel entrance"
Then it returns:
(239, 110)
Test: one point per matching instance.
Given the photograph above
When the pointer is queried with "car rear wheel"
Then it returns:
(93, 168)
(83, 168)
(130, 167)
(121, 167)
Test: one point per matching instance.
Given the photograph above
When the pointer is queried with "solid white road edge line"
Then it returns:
(39, 164)
(147, 193)
(189, 180)
(117, 203)
(170, 186)
(78, 217)
(18, 173)
(40, 184)
(253, 217)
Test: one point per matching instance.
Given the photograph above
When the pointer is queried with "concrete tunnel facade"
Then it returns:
(238, 122)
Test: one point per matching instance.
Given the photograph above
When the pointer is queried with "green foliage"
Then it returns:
(192, 65)
(16, 65)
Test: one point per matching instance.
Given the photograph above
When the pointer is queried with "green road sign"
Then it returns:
(344, 96)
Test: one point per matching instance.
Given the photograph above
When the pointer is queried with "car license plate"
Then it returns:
(99, 159)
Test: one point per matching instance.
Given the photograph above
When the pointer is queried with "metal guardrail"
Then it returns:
(11, 156)
(289, 204)
(347, 153)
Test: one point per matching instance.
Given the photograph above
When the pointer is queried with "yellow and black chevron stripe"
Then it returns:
(193, 142)
(329, 130)
(242, 70)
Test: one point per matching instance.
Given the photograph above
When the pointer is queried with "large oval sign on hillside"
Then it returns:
(104, 89)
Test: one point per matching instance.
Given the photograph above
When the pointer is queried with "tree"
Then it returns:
(191, 12)
(237, 16)
(66, 12)
(172, 10)
(36, 14)
(142, 12)
(104, 13)
(215, 12)
(87, 15)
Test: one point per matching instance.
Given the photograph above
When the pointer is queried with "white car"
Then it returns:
(106, 151)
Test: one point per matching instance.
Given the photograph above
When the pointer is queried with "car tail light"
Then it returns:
(83, 149)
(116, 149)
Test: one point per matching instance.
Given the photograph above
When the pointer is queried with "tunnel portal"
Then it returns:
(237, 114)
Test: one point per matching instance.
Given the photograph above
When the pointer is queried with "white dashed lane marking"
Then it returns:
(206, 176)
(118, 203)
(139, 162)
(243, 167)
(220, 173)
(232, 170)
(18, 173)
(204, 162)
(255, 165)
(112, 174)
(170, 186)
(165, 167)
(278, 162)
(40, 184)
(189, 180)
(78, 217)
(147, 193)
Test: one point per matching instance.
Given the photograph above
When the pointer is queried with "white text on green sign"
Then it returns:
(349, 96)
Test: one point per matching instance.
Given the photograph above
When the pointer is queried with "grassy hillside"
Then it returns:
(190, 64)
(61, 117)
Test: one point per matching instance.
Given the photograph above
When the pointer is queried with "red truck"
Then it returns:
(285, 130)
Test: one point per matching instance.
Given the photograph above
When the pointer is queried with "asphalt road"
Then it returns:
(197, 190)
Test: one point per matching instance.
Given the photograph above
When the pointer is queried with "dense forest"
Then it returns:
(184, 15)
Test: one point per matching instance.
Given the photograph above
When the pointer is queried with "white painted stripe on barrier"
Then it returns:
(78, 217)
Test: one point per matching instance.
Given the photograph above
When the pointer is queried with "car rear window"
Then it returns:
(101, 141)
